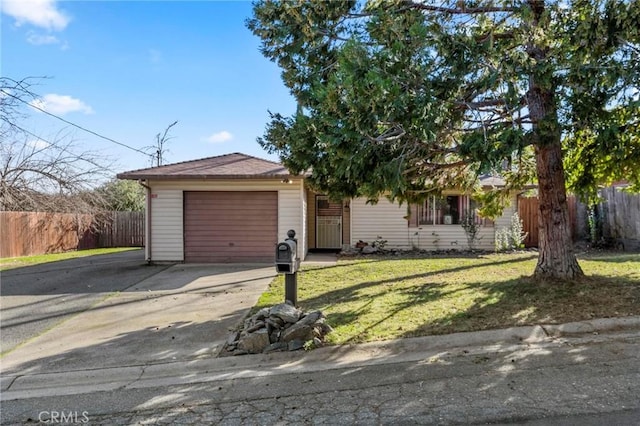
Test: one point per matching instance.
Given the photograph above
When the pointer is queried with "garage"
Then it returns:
(230, 226)
(232, 208)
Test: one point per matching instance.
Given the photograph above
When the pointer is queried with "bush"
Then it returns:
(511, 237)
(379, 243)
(471, 229)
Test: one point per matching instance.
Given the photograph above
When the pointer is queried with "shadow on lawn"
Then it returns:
(496, 304)
(610, 257)
(347, 261)
(350, 293)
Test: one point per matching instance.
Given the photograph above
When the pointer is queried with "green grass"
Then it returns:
(17, 262)
(387, 298)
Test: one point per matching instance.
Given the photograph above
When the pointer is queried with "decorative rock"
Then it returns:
(302, 332)
(274, 334)
(326, 328)
(295, 345)
(261, 314)
(311, 318)
(254, 343)
(257, 326)
(369, 250)
(233, 337)
(286, 312)
(275, 321)
(281, 328)
(274, 347)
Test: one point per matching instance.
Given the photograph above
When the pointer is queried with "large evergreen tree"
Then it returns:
(407, 97)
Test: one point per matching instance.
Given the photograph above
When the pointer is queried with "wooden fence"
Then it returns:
(619, 214)
(122, 229)
(32, 233)
(528, 212)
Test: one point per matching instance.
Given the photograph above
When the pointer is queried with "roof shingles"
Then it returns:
(228, 166)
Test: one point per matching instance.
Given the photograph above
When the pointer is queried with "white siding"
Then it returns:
(505, 220)
(446, 237)
(166, 225)
(167, 210)
(290, 216)
(384, 219)
(304, 231)
(449, 237)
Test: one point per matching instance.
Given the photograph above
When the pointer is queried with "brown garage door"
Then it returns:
(231, 227)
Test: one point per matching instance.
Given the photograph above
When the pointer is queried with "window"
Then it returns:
(326, 207)
(449, 210)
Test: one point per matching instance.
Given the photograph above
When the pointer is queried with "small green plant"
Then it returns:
(309, 345)
(471, 229)
(593, 230)
(595, 227)
(511, 237)
(379, 243)
(502, 242)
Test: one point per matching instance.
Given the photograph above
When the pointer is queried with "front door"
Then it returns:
(328, 223)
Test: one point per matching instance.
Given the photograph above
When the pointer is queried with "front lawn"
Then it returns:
(380, 298)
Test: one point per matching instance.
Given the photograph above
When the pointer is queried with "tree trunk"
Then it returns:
(556, 257)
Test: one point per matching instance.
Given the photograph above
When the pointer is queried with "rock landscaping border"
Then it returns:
(281, 327)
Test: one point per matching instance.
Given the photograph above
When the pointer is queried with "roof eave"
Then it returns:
(129, 176)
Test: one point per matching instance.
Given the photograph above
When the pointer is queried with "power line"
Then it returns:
(75, 125)
(54, 145)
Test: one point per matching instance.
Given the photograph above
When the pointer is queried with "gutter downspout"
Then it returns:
(147, 230)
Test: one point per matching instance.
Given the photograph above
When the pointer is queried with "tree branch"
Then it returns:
(462, 9)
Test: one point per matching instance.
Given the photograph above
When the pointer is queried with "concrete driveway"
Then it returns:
(36, 298)
(182, 312)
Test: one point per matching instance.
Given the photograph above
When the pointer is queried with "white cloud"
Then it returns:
(38, 39)
(61, 104)
(219, 137)
(40, 13)
(38, 144)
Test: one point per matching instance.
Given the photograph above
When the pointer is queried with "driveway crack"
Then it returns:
(13, 381)
(143, 369)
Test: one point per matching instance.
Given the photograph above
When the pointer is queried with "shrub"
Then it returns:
(379, 243)
(511, 237)
(471, 229)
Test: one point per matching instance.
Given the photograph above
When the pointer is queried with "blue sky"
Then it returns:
(128, 69)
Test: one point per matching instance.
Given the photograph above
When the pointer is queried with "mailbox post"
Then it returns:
(287, 263)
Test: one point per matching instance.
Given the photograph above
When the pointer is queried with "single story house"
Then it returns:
(235, 208)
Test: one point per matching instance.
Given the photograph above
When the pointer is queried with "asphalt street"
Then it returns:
(33, 299)
(588, 379)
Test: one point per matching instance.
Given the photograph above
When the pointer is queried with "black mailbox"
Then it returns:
(286, 257)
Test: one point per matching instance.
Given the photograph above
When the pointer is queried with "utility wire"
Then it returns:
(75, 125)
(54, 145)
